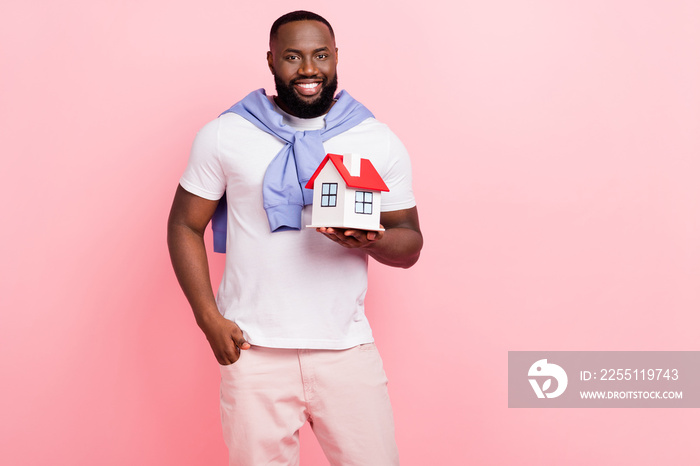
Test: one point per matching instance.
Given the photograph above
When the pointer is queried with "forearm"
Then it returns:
(398, 247)
(189, 259)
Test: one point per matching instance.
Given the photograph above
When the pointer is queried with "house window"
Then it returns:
(363, 202)
(329, 194)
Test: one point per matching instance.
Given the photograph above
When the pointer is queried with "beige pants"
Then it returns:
(269, 393)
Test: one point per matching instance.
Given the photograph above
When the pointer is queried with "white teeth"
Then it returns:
(309, 86)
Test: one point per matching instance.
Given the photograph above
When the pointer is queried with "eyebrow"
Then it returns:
(322, 49)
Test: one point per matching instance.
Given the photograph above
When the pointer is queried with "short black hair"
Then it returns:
(299, 15)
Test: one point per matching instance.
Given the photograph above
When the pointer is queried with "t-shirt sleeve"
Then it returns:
(204, 175)
(398, 178)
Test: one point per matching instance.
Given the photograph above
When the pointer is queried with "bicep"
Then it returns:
(191, 211)
(404, 218)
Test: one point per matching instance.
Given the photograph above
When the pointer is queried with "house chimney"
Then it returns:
(352, 163)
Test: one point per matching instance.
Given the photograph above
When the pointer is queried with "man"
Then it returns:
(288, 326)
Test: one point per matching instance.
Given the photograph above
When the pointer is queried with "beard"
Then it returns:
(299, 108)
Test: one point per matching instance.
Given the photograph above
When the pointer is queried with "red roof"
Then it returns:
(368, 179)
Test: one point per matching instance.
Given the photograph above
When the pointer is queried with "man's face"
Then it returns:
(303, 59)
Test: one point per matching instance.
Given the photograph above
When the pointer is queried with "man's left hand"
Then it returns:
(398, 246)
(351, 238)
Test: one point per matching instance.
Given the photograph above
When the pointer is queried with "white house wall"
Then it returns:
(328, 216)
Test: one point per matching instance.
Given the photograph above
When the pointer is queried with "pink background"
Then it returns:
(556, 154)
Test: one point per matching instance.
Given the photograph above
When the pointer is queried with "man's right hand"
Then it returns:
(226, 340)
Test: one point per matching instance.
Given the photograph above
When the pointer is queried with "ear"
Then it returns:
(269, 62)
(336, 55)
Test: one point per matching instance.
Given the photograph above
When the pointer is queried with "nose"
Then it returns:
(308, 67)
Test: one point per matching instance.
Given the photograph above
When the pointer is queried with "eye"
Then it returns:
(291, 57)
(322, 56)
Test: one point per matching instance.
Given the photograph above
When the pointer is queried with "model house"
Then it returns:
(347, 193)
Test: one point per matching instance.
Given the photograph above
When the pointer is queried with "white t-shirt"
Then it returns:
(290, 289)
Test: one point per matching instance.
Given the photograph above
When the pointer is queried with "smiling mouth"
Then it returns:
(308, 89)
